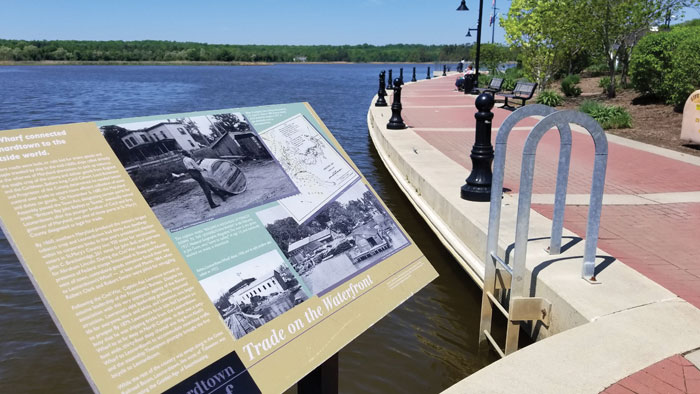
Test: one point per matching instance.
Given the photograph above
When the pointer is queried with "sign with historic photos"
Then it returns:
(228, 251)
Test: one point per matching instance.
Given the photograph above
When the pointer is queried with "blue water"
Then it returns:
(424, 346)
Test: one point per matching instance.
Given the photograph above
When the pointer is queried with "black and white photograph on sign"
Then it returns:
(254, 292)
(316, 168)
(348, 235)
(198, 168)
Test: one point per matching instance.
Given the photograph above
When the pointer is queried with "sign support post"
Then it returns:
(322, 380)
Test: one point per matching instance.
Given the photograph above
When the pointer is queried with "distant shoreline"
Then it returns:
(127, 63)
(181, 63)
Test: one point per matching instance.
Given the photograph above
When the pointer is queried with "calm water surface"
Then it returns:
(424, 346)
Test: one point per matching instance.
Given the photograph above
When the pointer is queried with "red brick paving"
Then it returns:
(673, 375)
(660, 241)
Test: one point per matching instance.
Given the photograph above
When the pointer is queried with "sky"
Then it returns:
(300, 22)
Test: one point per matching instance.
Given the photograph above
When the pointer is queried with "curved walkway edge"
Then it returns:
(607, 333)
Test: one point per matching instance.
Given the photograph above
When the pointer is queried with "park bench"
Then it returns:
(494, 86)
(522, 91)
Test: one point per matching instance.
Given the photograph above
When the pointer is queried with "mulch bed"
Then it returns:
(653, 122)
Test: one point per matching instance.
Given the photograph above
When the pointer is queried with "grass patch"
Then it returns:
(550, 98)
(609, 116)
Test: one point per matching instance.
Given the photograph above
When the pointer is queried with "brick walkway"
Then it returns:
(674, 375)
(660, 239)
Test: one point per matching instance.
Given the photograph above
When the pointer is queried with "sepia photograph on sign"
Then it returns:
(345, 237)
(197, 168)
(254, 292)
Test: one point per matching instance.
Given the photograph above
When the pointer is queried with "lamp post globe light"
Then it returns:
(463, 7)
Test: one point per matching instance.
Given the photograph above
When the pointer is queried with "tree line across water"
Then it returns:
(170, 51)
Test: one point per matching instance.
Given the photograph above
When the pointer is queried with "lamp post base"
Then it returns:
(476, 193)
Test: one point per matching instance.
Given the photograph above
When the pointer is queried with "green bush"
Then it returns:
(684, 76)
(590, 106)
(514, 73)
(568, 86)
(484, 80)
(667, 64)
(597, 70)
(512, 76)
(609, 116)
(550, 98)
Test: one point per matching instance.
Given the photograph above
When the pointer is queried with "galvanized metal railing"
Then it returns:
(502, 280)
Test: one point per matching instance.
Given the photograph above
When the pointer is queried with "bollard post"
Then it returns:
(381, 93)
(401, 75)
(414, 75)
(478, 186)
(444, 70)
(389, 81)
(396, 122)
(428, 76)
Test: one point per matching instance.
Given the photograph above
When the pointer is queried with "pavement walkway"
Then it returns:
(651, 210)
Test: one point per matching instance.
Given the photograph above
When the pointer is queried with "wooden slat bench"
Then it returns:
(522, 91)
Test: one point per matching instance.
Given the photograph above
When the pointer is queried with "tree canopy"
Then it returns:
(554, 34)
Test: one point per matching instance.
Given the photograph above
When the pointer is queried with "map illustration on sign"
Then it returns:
(316, 168)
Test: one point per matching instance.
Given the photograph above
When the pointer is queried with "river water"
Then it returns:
(424, 346)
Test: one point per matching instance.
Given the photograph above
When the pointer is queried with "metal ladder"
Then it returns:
(503, 281)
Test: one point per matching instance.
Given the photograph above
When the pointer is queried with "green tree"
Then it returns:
(492, 55)
(617, 26)
(534, 26)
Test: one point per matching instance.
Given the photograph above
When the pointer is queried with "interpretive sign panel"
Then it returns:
(228, 251)
(690, 129)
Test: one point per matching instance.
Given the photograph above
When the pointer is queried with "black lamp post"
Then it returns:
(463, 7)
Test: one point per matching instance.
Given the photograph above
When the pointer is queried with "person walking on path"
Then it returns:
(195, 172)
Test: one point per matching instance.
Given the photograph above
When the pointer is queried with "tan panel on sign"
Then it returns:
(104, 266)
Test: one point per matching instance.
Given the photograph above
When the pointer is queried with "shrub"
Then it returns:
(589, 106)
(508, 83)
(514, 73)
(568, 86)
(650, 60)
(684, 76)
(605, 84)
(484, 80)
(512, 76)
(667, 64)
(597, 70)
(550, 98)
(609, 116)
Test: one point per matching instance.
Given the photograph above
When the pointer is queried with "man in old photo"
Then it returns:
(195, 172)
